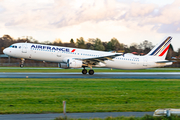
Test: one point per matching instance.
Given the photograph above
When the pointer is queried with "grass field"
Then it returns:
(87, 95)
(31, 69)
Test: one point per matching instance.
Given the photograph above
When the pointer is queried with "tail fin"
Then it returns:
(161, 49)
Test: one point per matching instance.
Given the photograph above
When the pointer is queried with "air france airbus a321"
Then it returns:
(76, 58)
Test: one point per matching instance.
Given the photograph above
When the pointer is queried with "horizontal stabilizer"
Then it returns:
(165, 61)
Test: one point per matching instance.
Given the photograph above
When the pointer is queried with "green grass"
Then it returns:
(17, 69)
(87, 95)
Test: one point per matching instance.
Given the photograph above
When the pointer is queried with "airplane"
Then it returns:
(67, 57)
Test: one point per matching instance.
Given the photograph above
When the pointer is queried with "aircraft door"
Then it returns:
(145, 62)
(24, 48)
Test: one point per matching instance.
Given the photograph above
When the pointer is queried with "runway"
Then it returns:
(52, 116)
(115, 75)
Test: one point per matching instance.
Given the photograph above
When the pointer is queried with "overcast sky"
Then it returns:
(130, 21)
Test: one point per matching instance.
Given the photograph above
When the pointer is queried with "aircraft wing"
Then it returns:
(96, 60)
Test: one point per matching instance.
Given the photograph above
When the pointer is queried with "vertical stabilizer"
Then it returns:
(161, 49)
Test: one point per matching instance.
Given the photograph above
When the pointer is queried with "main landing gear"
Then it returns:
(84, 71)
(91, 72)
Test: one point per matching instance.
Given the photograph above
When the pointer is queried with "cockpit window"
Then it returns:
(13, 46)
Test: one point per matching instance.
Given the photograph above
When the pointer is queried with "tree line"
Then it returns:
(92, 43)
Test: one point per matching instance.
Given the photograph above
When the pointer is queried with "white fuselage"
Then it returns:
(51, 54)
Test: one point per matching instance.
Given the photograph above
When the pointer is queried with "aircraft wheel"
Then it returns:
(21, 65)
(84, 71)
(91, 72)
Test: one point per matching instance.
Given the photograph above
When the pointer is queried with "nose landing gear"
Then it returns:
(22, 62)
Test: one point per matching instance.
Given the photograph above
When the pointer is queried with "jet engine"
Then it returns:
(71, 63)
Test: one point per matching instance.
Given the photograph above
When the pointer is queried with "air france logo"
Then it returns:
(73, 50)
(51, 48)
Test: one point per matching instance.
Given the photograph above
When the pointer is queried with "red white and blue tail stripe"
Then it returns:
(161, 49)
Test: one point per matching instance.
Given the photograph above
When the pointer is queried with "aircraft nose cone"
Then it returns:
(5, 51)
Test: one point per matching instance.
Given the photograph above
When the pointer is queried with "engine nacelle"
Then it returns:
(74, 63)
(71, 63)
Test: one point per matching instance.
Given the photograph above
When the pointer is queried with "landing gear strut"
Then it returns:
(22, 62)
